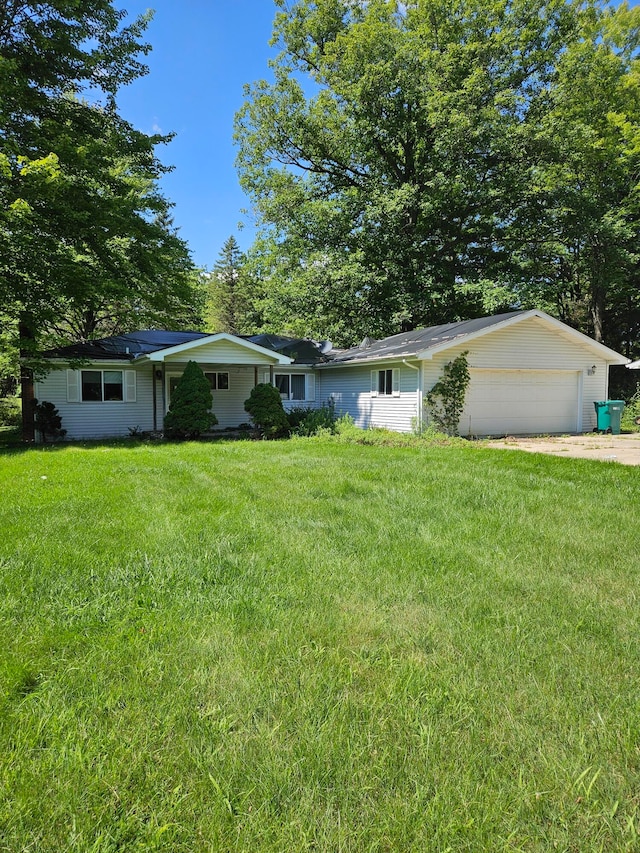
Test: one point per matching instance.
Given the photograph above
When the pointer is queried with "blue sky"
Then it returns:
(203, 53)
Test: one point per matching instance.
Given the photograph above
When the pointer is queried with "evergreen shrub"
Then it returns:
(265, 408)
(190, 412)
(47, 421)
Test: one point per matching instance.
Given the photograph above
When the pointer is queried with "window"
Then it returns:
(102, 386)
(218, 381)
(295, 386)
(385, 383)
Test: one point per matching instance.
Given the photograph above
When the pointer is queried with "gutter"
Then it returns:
(419, 395)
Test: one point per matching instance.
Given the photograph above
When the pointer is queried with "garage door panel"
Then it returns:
(518, 402)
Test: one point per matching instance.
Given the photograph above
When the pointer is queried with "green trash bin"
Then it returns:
(608, 416)
(603, 422)
(615, 414)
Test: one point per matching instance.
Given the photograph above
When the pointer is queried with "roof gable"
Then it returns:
(219, 338)
(423, 344)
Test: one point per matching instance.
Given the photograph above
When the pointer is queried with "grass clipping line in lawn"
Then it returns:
(311, 645)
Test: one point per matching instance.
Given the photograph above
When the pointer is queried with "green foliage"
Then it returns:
(346, 432)
(265, 408)
(630, 421)
(230, 294)
(10, 412)
(86, 241)
(445, 400)
(47, 421)
(306, 421)
(190, 412)
(418, 163)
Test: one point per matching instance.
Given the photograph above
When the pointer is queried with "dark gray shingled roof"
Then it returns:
(408, 344)
(125, 346)
(135, 344)
(301, 350)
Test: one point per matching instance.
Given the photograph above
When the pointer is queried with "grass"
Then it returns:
(314, 646)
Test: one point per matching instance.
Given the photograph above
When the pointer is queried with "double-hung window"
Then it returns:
(385, 383)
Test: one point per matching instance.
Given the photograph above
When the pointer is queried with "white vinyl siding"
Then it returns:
(532, 347)
(100, 419)
(352, 390)
(219, 352)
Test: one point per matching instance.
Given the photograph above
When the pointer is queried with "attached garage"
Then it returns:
(522, 401)
(530, 374)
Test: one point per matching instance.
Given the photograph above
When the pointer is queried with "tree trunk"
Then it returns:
(25, 328)
(597, 313)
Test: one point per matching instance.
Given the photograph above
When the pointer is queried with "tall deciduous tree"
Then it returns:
(394, 160)
(82, 222)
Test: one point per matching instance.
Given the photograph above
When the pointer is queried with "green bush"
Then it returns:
(307, 421)
(190, 412)
(47, 421)
(10, 412)
(265, 408)
(630, 421)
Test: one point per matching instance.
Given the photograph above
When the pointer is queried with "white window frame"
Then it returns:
(376, 382)
(309, 387)
(74, 385)
(218, 373)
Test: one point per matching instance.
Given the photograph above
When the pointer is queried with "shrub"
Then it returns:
(265, 408)
(445, 400)
(190, 412)
(630, 421)
(308, 421)
(47, 420)
(10, 412)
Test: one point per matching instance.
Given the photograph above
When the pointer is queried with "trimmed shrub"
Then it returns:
(190, 412)
(47, 420)
(265, 408)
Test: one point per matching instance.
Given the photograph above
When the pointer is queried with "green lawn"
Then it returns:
(315, 646)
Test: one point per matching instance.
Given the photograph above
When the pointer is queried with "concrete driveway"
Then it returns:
(624, 449)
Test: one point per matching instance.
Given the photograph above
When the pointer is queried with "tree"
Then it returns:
(392, 161)
(83, 227)
(578, 220)
(230, 295)
(190, 412)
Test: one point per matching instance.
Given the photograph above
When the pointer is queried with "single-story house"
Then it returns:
(530, 373)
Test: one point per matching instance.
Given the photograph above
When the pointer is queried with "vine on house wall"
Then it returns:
(445, 400)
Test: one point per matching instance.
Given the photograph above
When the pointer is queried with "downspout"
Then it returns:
(419, 393)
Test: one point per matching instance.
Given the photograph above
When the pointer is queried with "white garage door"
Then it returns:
(517, 402)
